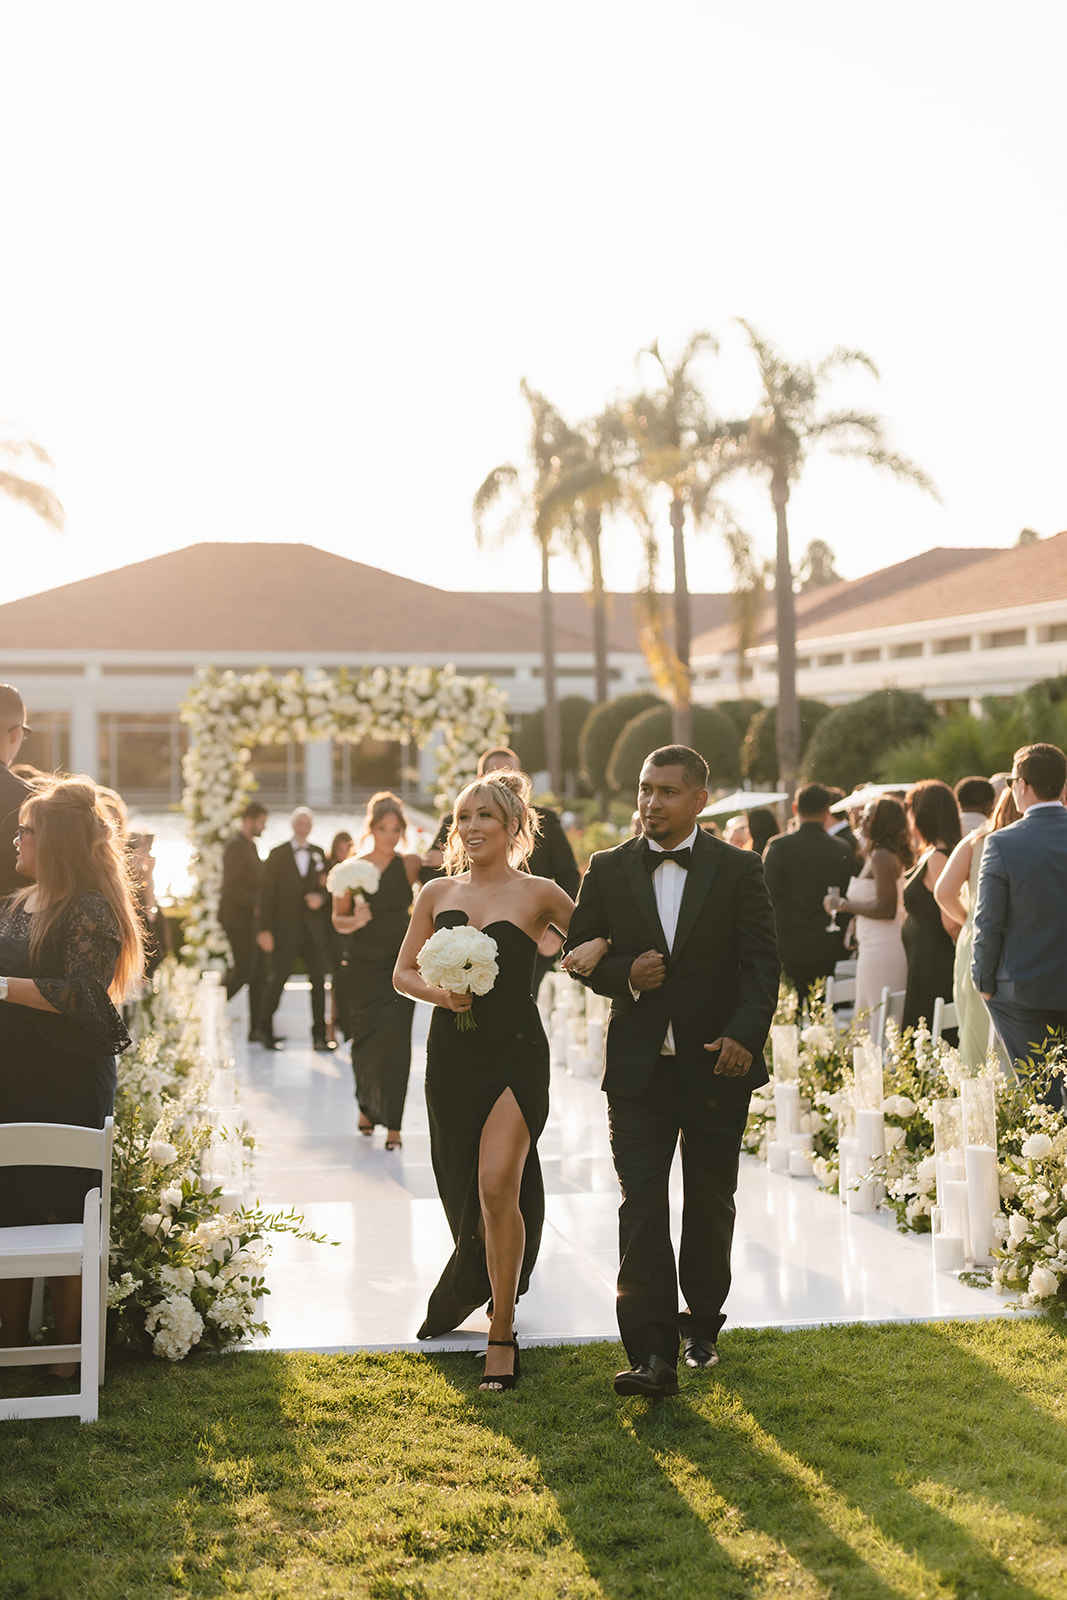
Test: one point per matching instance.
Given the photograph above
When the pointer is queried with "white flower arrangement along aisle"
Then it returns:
(187, 1258)
(943, 1148)
(228, 713)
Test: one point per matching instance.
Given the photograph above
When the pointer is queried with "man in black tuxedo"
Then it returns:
(692, 974)
(242, 869)
(13, 791)
(292, 924)
(800, 869)
(839, 828)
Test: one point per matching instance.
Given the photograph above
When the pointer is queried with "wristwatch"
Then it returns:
(3, 988)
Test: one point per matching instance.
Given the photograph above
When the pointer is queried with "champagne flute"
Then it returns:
(833, 926)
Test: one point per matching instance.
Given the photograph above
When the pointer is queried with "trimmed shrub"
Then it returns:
(602, 728)
(852, 744)
(529, 742)
(759, 752)
(714, 735)
(740, 713)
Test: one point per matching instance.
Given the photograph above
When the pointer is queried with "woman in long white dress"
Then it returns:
(874, 898)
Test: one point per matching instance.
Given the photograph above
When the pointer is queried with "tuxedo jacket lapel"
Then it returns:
(640, 881)
(702, 869)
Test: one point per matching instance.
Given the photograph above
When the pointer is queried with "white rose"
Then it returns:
(894, 1137)
(898, 1105)
(172, 1197)
(150, 1223)
(817, 1037)
(1018, 1227)
(926, 1174)
(1043, 1283)
(1037, 1146)
(161, 1154)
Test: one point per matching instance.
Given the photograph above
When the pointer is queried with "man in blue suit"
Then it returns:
(1019, 962)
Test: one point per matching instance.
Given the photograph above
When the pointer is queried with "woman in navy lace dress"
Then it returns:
(487, 1088)
(70, 951)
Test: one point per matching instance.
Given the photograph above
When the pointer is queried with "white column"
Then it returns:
(318, 772)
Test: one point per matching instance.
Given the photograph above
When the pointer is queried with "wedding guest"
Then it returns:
(1019, 963)
(242, 869)
(976, 798)
(800, 869)
(735, 832)
(762, 828)
(142, 864)
(875, 899)
(929, 934)
(341, 848)
(956, 892)
(13, 790)
(839, 827)
(487, 1088)
(692, 973)
(373, 1015)
(292, 924)
(70, 952)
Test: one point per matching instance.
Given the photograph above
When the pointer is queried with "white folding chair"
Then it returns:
(841, 996)
(945, 1016)
(62, 1250)
(890, 1005)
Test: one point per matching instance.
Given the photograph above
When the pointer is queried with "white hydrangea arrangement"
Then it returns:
(228, 713)
(356, 876)
(1032, 1259)
(460, 959)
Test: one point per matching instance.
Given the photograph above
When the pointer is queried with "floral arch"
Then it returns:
(227, 713)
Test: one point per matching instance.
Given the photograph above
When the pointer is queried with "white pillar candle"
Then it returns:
(862, 1199)
(956, 1195)
(800, 1147)
(870, 1136)
(847, 1155)
(595, 1036)
(983, 1200)
(787, 1108)
(785, 1048)
(946, 1224)
(778, 1155)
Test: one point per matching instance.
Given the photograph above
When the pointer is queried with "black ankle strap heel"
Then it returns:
(506, 1380)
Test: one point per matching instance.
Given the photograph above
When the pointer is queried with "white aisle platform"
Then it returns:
(799, 1260)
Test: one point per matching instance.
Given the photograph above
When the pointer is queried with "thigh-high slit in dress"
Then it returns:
(466, 1073)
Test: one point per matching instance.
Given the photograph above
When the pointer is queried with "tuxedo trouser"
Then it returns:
(249, 966)
(310, 946)
(1024, 1031)
(645, 1132)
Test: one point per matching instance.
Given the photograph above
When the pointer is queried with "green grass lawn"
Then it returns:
(897, 1461)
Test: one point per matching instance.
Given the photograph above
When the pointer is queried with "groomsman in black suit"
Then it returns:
(13, 791)
(692, 974)
(242, 869)
(292, 924)
(800, 869)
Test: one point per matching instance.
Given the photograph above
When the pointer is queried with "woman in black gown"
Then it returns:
(372, 1014)
(487, 1089)
(337, 943)
(70, 950)
(929, 934)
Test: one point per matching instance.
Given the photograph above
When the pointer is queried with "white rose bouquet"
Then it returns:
(356, 876)
(459, 959)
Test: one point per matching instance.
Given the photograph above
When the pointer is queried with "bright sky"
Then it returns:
(274, 272)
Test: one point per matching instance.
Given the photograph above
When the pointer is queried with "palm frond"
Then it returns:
(889, 461)
(488, 493)
(36, 496)
(843, 357)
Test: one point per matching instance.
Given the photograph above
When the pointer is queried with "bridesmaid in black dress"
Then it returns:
(929, 934)
(70, 952)
(372, 1014)
(487, 1089)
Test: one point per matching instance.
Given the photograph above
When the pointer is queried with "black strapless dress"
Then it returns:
(466, 1073)
(376, 1018)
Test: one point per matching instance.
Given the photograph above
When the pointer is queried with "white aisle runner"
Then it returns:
(799, 1258)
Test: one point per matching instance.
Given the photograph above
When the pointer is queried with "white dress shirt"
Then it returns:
(302, 855)
(668, 886)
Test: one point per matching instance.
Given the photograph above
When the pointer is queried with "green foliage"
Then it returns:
(759, 752)
(714, 735)
(964, 744)
(602, 727)
(740, 713)
(851, 745)
(529, 744)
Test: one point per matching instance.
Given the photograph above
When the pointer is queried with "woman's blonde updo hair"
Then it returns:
(78, 851)
(507, 793)
(383, 804)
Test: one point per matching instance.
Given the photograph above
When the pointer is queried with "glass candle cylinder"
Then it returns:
(947, 1228)
(979, 1112)
(867, 1067)
(785, 1052)
(787, 1108)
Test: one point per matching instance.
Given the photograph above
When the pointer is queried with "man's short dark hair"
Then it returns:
(976, 794)
(691, 762)
(254, 808)
(814, 800)
(1043, 767)
(12, 708)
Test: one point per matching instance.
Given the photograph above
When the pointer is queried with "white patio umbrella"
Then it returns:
(743, 800)
(867, 792)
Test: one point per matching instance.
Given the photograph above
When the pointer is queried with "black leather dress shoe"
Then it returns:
(324, 1044)
(269, 1041)
(652, 1378)
(702, 1353)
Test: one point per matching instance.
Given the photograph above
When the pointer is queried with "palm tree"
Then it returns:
(784, 428)
(682, 447)
(536, 507)
(21, 459)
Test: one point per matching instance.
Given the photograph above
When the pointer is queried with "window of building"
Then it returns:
(361, 769)
(1005, 639)
(48, 747)
(835, 659)
(872, 654)
(1053, 634)
(141, 754)
(279, 772)
(903, 652)
(803, 661)
(951, 647)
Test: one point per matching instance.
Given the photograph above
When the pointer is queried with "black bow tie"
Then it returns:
(656, 858)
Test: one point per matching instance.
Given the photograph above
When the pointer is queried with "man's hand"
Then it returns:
(648, 971)
(265, 940)
(314, 901)
(734, 1060)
